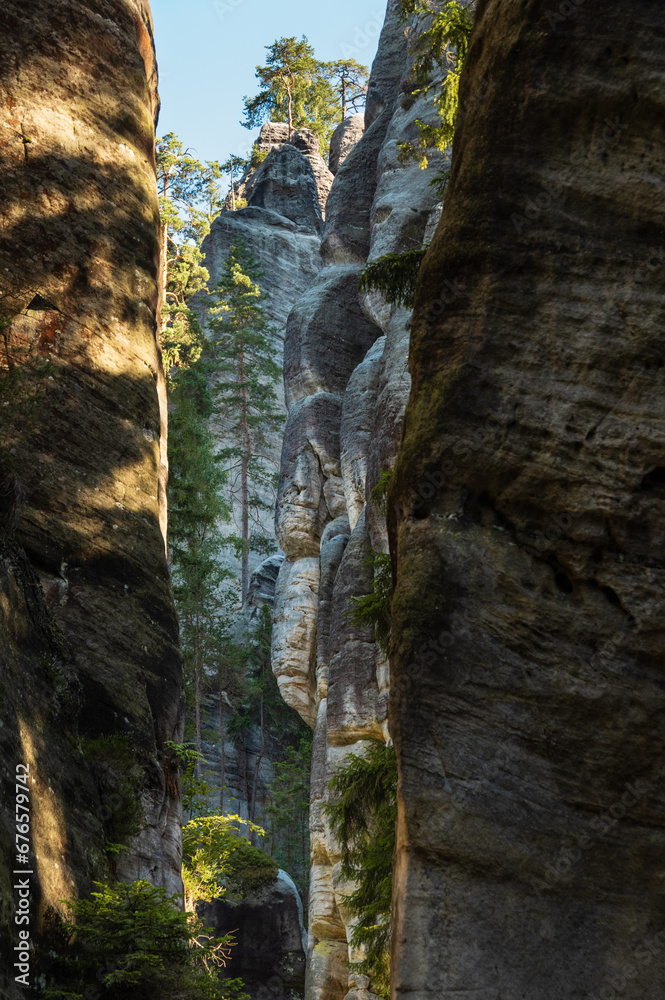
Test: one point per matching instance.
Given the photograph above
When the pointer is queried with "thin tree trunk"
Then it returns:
(165, 274)
(222, 760)
(257, 766)
(288, 91)
(197, 689)
(233, 189)
(244, 484)
(343, 97)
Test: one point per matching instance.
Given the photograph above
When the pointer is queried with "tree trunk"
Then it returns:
(244, 485)
(343, 97)
(290, 102)
(233, 189)
(197, 689)
(222, 756)
(164, 276)
(257, 766)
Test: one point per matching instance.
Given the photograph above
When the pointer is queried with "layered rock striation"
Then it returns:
(346, 384)
(88, 633)
(527, 517)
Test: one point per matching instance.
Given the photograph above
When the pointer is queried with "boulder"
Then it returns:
(269, 954)
(357, 428)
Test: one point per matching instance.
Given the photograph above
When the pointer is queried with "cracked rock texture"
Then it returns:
(527, 533)
(346, 384)
(88, 634)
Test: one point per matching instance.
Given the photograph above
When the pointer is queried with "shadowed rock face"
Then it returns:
(270, 952)
(528, 510)
(89, 635)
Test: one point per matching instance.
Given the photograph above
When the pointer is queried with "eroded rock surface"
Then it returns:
(346, 383)
(344, 138)
(527, 625)
(86, 613)
(270, 953)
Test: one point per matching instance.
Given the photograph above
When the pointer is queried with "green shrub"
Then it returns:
(394, 275)
(249, 869)
(379, 495)
(257, 157)
(119, 778)
(374, 608)
(218, 858)
(363, 814)
(132, 942)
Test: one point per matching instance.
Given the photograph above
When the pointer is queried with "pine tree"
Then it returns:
(245, 383)
(350, 82)
(197, 507)
(190, 199)
(296, 88)
(363, 814)
(442, 46)
(233, 164)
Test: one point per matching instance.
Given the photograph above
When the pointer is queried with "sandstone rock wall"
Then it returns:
(270, 953)
(528, 510)
(346, 384)
(88, 630)
(281, 225)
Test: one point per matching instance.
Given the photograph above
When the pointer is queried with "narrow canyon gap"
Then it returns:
(527, 526)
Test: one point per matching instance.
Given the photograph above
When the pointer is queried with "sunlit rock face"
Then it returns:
(346, 385)
(344, 138)
(89, 635)
(528, 506)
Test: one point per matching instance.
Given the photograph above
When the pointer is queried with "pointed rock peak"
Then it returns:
(285, 183)
(344, 138)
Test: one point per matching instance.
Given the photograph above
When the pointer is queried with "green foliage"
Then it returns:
(249, 869)
(363, 814)
(257, 156)
(131, 941)
(190, 199)
(374, 608)
(119, 778)
(443, 46)
(246, 380)
(295, 87)
(379, 495)
(349, 79)
(288, 812)
(196, 790)
(394, 275)
(218, 858)
(197, 509)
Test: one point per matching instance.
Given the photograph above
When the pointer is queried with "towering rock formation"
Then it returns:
(282, 226)
(527, 523)
(346, 383)
(88, 635)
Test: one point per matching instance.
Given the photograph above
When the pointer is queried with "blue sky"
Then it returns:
(207, 51)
